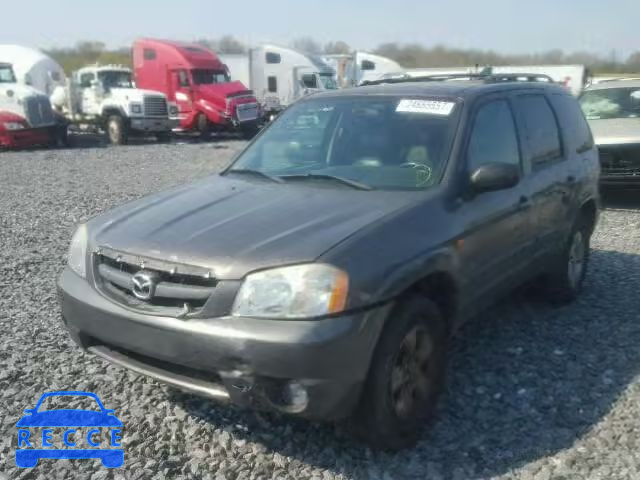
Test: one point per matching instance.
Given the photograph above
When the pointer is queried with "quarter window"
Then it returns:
(493, 138)
(542, 129)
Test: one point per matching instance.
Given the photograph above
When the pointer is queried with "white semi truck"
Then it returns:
(360, 67)
(279, 76)
(105, 97)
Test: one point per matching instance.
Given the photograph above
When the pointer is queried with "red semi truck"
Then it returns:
(199, 83)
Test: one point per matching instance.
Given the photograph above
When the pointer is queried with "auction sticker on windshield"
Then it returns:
(431, 107)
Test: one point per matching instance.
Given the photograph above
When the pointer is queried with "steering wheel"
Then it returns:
(423, 172)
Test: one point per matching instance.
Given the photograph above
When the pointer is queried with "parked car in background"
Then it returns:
(198, 82)
(613, 111)
(279, 76)
(105, 97)
(26, 116)
(258, 285)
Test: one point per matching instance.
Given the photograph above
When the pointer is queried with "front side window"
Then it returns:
(6, 74)
(328, 81)
(183, 78)
(210, 77)
(115, 79)
(86, 79)
(541, 127)
(493, 137)
(382, 142)
(309, 80)
(611, 103)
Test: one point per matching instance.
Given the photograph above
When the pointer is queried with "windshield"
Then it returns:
(6, 74)
(611, 103)
(328, 81)
(379, 142)
(208, 77)
(115, 79)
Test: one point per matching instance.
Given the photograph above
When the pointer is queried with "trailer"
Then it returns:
(279, 75)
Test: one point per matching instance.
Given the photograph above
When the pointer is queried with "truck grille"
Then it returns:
(620, 161)
(38, 111)
(155, 106)
(247, 112)
(178, 290)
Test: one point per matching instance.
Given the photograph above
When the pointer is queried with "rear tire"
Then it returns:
(405, 378)
(565, 282)
(117, 130)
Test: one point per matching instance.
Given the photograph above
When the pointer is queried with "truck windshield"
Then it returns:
(6, 74)
(208, 77)
(115, 79)
(388, 143)
(328, 81)
(611, 103)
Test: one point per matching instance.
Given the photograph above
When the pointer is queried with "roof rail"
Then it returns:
(486, 77)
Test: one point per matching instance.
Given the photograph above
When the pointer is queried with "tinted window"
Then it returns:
(183, 78)
(367, 65)
(149, 54)
(272, 84)
(272, 57)
(541, 128)
(309, 80)
(577, 132)
(86, 79)
(493, 138)
(611, 103)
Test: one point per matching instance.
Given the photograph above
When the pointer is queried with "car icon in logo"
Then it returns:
(28, 453)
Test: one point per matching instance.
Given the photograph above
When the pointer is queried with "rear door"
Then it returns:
(551, 180)
(496, 224)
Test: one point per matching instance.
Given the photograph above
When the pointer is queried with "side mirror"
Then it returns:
(494, 176)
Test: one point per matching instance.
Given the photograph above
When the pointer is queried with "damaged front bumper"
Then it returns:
(313, 368)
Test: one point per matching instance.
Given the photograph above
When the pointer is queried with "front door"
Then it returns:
(496, 225)
(182, 91)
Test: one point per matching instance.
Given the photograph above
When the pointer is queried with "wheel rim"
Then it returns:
(576, 260)
(114, 131)
(410, 384)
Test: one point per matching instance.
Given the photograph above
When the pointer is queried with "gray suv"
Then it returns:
(322, 273)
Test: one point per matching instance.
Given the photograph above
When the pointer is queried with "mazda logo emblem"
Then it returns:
(144, 285)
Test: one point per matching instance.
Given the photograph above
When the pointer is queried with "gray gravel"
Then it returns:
(534, 392)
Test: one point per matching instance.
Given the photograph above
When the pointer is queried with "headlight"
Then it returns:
(77, 258)
(136, 108)
(13, 126)
(299, 291)
(173, 110)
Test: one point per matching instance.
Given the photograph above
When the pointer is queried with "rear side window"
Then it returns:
(367, 65)
(541, 129)
(493, 138)
(578, 134)
(272, 84)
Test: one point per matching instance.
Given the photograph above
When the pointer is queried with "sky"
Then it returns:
(506, 26)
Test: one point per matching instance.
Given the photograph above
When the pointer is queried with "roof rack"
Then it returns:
(485, 77)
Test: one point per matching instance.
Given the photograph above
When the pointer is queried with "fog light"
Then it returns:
(295, 396)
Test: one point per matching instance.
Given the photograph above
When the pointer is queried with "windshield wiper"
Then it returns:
(255, 173)
(325, 176)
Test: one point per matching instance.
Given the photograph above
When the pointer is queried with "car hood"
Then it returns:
(235, 226)
(615, 131)
(221, 90)
(69, 418)
(133, 94)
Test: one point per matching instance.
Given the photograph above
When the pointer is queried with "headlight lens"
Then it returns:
(77, 258)
(299, 291)
(136, 108)
(13, 126)
(173, 110)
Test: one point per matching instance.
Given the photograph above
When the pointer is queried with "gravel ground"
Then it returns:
(534, 392)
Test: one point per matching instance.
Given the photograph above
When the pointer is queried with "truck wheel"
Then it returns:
(202, 124)
(249, 131)
(117, 130)
(564, 282)
(405, 378)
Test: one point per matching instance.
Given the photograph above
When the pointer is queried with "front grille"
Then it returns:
(247, 111)
(179, 290)
(38, 111)
(620, 161)
(155, 106)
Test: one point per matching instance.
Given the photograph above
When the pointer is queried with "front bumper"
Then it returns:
(250, 362)
(150, 124)
(26, 137)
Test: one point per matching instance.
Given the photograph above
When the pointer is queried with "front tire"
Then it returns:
(566, 280)
(405, 378)
(202, 124)
(163, 137)
(117, 130)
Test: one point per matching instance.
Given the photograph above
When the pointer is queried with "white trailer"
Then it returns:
(360, 67)
(33, 68)
(279, 76)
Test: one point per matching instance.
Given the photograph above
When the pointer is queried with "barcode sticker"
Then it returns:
(431, 107)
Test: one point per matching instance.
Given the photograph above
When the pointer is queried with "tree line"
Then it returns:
(407, 55)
